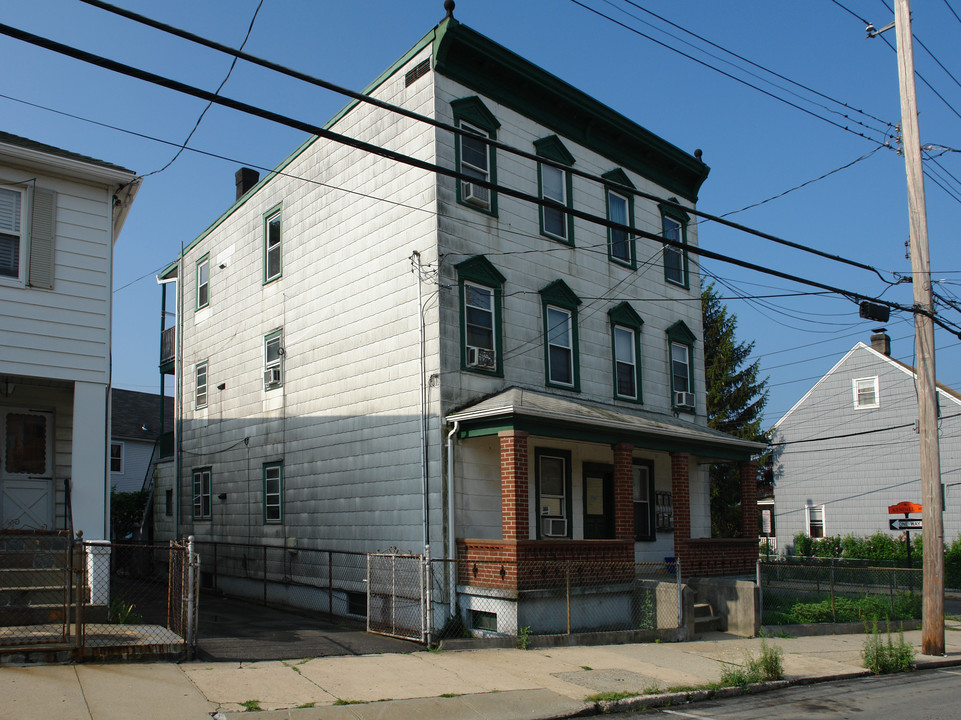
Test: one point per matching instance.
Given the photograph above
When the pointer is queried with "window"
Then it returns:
(200, 385)
(274, 360)
(626, 351)
(18, 210)
(116, 457)
(680, 368)
(168, 503)
(201, 493)
(815, 518)
(643, 500)
(27, 444)
(620, 209)
(272, 246)
(273, 493)
(555, 185)
(681, 360)
(11, 233)
(203, 282)
(553, 493)
(674, 227)
(480, 287)
(866, 393)
(474, 157)
(560, 334)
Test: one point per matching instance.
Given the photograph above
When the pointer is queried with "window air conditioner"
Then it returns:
(477, 195)
(554, 527)
(684, 399)
(272, 376)
(481, 358)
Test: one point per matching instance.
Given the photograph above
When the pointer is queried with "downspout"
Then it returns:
(451, 534)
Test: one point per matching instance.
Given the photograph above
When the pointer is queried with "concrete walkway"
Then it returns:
(497, 684)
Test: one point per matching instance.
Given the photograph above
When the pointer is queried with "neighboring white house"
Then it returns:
(60, 215)
(371, 355)
(137, 422)
(849, 449)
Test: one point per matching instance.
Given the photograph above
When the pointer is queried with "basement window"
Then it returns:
(480, 620)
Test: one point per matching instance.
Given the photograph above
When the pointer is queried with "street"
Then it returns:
(929, 694)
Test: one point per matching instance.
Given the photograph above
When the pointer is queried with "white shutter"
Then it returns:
(42, 233)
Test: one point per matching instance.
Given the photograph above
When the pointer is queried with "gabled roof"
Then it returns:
(136, 415)
(880, 357)
(28, 144)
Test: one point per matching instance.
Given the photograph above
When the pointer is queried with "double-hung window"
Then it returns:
(626, 345)
(200, 385)
(116, 457)
(203, 282)
(620, 210)
(475, 158)
(480, 286)
(674, 228)
(272, 245)
(866, 393)
(11, 231)
(815, 518)
(202, 504)
(27, 235)
(273, 493)
(680, 368)
(556, 187)
(559, 305)
(681, 362)
(274, 360)
(553, 474)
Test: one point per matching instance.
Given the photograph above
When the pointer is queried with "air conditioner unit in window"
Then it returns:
(684, 400)
(554, 527)
(481, 358)
(476, 195)
(272, 376)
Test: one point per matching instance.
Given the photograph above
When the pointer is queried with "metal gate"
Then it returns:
(397, 600)
(183, 590)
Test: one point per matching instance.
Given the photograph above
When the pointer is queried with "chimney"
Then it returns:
(245, 178)
(881, 341)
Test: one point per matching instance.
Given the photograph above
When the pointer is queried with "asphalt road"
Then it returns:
(926, 695)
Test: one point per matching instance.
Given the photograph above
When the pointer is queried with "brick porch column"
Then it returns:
(515, 510)
(681, 492)
(624, 491)
(748, 472)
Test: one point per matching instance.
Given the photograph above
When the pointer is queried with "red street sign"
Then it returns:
(903, 507)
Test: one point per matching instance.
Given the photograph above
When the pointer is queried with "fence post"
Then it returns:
(834, 614)
(567, 576)
(368, 592)
(429, 614)
(216, 576)
(892, 584)
(680, 592)
(265, 574)
(760, 593)
(190, 634)
(330, 585)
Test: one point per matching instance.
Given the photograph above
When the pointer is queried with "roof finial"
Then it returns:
(449, 7)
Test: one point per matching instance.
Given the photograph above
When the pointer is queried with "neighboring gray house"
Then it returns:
(135, 431)
(552, 400)
(849, 449)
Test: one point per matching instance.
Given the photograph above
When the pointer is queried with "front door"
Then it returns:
(598, 501)
(26, 469)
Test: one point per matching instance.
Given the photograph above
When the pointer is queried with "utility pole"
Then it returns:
(932, 627)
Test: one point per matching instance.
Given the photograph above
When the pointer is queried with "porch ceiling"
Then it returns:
(552, 416)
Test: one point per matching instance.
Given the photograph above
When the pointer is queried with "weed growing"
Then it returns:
(883, 659)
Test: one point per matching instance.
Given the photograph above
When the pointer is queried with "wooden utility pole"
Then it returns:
(932, 627)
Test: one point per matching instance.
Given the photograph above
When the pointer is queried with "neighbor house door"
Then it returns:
(598, 501)
(26, 469)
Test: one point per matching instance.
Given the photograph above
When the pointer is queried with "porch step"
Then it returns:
(704, 618)
(34, 574)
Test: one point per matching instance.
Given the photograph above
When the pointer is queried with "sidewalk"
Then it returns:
(497, 684)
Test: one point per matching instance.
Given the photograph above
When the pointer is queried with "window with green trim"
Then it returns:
(203, 282)
(626, 352)
(272, 246)
(559, 306)
(480, 291)
(556, 186)
(681, 359)
(674, 223)
(200, 385)
(274, 360)
(202, 503)
(474, 157)
(273, 493)
(620, 209)
(553, 491)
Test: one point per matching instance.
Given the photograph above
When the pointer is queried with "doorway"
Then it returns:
(598, 502)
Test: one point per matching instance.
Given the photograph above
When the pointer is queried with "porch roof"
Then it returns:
(552, 416)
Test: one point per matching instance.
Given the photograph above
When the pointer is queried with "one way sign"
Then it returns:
(906, 524)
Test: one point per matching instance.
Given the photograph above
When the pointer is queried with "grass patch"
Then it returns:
(251, 706)
(883, 659)
(448, 695)
(768, 665)
(781, 610)
(609, 696)
(307, 705)
(341, 701)
(586, 667)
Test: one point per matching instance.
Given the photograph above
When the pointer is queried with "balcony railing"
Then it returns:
(168, 346)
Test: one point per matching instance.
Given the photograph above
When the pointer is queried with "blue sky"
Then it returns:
(757, 146)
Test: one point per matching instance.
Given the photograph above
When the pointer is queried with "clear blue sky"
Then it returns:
(756, 146)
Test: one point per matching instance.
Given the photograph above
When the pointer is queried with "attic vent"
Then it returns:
(417, 72)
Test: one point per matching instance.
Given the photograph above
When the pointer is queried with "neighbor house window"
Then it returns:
(200, 385)
(474, 157)
(274, 360)
(272, 246)
(116, 457)
(201, 478)
(553, 473)
(480, 287)
(273, 492)
(203, 282)
(620, 209)
(22, 258)
(866, 393)
(815, 518)
(555, 185)
(11, 231)
(674, 227)
(626, 345)
(680, 367)
(681, 359)
(643, 500)
(560, 335)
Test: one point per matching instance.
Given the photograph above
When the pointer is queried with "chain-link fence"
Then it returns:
(837, 591)
(544, 597)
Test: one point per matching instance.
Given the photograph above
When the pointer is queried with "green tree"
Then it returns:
(736, 397)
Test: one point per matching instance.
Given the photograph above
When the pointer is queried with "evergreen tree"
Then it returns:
(735, 401)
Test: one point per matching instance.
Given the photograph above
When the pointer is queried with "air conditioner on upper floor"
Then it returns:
(476, 195)
(684, 400)
(481, 358)
(272, 376)
(554, 527)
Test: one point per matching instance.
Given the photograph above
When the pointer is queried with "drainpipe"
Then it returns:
(451, 534)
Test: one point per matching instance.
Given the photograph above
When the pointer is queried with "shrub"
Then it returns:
(882, 659)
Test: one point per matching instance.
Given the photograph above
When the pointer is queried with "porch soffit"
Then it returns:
(542, 414)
